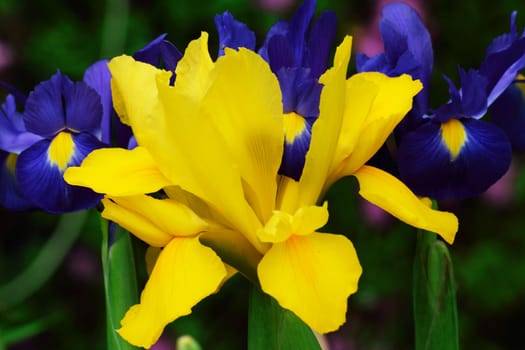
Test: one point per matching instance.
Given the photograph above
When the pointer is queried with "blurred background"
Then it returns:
(66, 309)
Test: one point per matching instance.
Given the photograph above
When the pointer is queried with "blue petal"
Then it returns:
(280, 53)
(503, 41)
(13, 136)
(504, 58)
(508, 112)
(11, 197)
(473, 93)
(232, 33)
(157, 51)
(98, 77)
(320, 43)
(408, 49)
(44, 113)
(427, 166)
(301, 93)
(403, 30)
(42, 181)
(279, 28)
(83, 107)
(298, 27)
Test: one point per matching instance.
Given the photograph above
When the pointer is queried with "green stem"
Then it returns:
(435, 310)
(46, 262)
(120, 281)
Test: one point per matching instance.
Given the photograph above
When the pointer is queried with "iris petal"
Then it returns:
(508, 112)
(11, 197)
(429, 168)
(387, 109)
(13, 135)
(44, 113)
(320, 43)
(118, 172)
(390, 194)
(98, 77)
(232, 33)
(42, 180)
(185, 273)
(312, 276)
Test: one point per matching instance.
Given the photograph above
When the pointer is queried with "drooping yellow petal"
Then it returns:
(118, 172)
(391, 104)
(325, 133)
(134, 87)
(313, 276)
(136, 223)
(194, 68)
(168, 215)
(247, 113)
(390, 194)
(185, 273)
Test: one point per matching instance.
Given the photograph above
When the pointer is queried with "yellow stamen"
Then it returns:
(521, 85)
(453, 136)
(294, 125)
(61, 150)
(11, 162)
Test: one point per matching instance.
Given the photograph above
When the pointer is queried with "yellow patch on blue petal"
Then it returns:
(294, 126)
(11, 162)
(521, 85)
(61, 150)
(453, 136)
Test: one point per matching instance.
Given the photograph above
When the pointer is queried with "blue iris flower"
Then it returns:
(298, 56)
(59, 127)
(448, 151)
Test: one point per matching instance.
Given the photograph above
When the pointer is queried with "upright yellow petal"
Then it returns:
(387, 192)
(325, 133)
(118, 172)
(391, 104)
(194, 68)
(313, 276)
(134, 87)
(247, 113)
(185, 273)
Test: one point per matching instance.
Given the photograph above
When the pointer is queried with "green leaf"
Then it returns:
(435, 310)
(272, 327)
(120, 281)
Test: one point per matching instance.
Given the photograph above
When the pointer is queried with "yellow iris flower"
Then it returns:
(213, 143)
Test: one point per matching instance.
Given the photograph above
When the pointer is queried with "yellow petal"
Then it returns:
(168, 215)
(134, 87)
(194, 68)
(325, 132)
(136, 223)
(313, 276)
(118, 172)
(304, 221)
(391, 104)
(252, 126)
(185, 273)
(387, 192)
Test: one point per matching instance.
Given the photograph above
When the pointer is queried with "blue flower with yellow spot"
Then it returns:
(59, 127)
(448, 151)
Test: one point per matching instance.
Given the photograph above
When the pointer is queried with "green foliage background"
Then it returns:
(68, 311)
